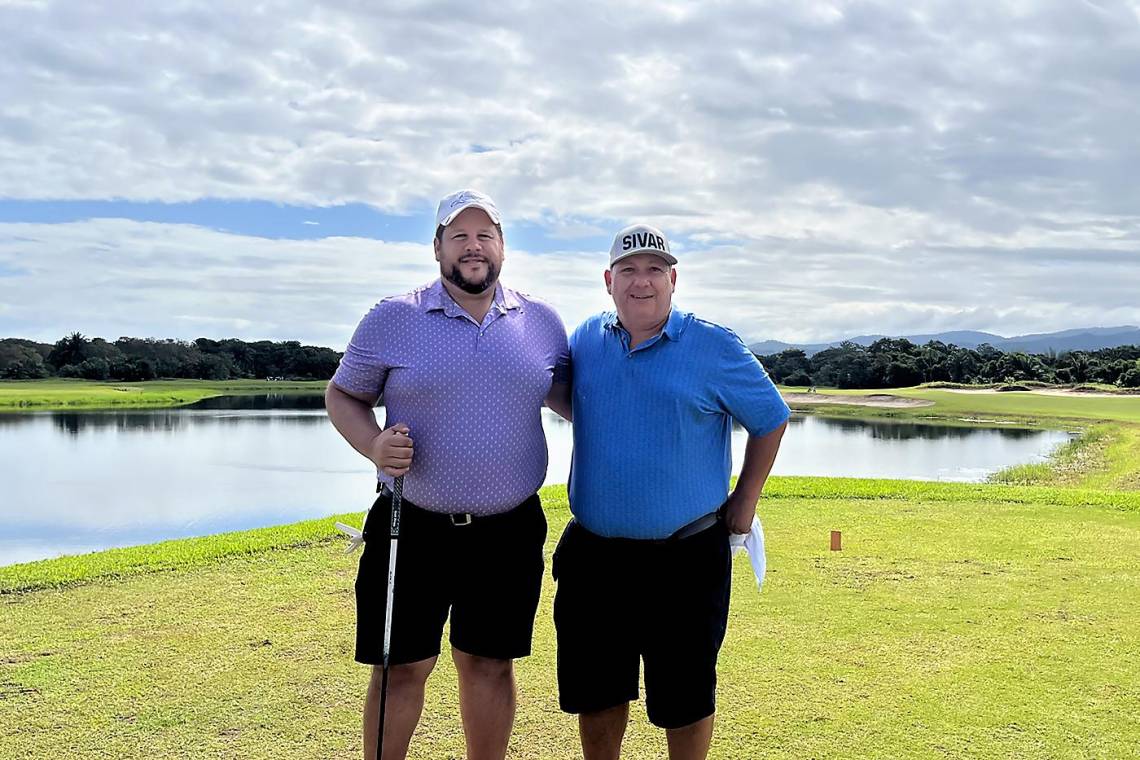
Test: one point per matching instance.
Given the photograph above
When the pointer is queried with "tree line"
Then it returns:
(898, 363)
(150, 358)
(886, 363)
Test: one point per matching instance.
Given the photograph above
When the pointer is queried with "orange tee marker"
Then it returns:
(836, 541)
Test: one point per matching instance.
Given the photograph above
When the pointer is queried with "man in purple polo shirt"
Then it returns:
(464, 366)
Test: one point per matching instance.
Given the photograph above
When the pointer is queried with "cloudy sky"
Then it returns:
(270, 170)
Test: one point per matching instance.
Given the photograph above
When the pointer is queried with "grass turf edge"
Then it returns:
(181, 554)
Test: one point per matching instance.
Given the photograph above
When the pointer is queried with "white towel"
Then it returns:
(356, 537)
(753, 543)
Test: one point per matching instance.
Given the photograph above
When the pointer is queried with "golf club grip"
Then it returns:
(393, 544)
(397, 502)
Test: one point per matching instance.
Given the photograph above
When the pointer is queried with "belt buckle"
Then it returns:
(462, 518)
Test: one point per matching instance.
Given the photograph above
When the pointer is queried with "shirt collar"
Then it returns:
(436, 298)
(505, 298)
(672, 330)
(675, 325)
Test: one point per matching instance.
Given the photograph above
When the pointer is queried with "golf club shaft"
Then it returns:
(380, 723)
(394, 535)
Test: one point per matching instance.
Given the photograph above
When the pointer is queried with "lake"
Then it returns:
(75, 482)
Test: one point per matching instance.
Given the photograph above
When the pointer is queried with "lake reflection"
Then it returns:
(81, 481)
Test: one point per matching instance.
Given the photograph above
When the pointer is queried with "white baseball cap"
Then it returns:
(459, 201)
(640, 238)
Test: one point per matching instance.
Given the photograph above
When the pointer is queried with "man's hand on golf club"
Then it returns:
(392, 450)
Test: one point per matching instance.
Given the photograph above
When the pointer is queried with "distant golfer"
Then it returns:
(643, 569)
(464, 365)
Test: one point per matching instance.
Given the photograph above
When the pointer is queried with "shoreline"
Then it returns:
(186, 553)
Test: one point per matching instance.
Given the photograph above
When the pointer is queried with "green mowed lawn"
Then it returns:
(1021, 404)
(17, 395)
(958, 624)
(1014, 405)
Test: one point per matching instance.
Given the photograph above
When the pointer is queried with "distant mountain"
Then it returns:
(1080, 339)
(1091, 339)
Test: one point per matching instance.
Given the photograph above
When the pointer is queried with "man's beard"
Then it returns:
(474, 287)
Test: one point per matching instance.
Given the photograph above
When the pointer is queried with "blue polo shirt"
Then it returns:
(652, 426)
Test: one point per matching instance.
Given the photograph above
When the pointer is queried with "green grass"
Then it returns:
(28, 395)
(166, 556)
(183, 554)
(1106, 456)
(1018, 406)
(1071, 463)
(959, 620)
(1023, 405)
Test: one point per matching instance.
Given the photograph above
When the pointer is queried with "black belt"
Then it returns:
(457, 519)
(688, 530)
(702, 523)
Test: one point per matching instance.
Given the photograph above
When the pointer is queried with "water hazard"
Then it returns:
(81, 481)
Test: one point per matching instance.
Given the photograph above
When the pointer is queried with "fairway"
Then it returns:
(36, 395)
(962, 624)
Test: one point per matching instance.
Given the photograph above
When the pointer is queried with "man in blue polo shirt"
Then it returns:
(643, 569)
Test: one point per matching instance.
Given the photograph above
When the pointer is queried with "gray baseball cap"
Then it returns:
(640, 238)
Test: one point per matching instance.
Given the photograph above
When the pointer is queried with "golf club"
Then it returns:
(394, 535)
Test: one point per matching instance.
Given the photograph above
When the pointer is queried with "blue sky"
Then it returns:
(279, 221)
(824, 169)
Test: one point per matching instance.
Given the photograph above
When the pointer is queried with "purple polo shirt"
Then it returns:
(470, 393)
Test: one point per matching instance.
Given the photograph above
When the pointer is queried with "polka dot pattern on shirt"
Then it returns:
(471, 394)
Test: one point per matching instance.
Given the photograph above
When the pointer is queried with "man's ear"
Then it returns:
(673, 278)
(435, 247)
(609, 282)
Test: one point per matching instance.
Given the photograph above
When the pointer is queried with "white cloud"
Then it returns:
(948, 163)
(113, 277)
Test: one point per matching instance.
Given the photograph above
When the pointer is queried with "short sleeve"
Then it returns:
(562, 372)
(362, 368)
(744, 390)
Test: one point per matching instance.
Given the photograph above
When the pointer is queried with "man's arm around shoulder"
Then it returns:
(558, 399)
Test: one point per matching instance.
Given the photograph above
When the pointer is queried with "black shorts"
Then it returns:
(620, 601)
(487, 575)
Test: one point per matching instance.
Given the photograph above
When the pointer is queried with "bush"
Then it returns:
(1130, 378)
(798, 378)
(25, 369)
(94, 369)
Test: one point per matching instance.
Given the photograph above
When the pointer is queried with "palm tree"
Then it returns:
(69, 350)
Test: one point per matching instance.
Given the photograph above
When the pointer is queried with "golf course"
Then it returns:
(989, 620)
(57, 394)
